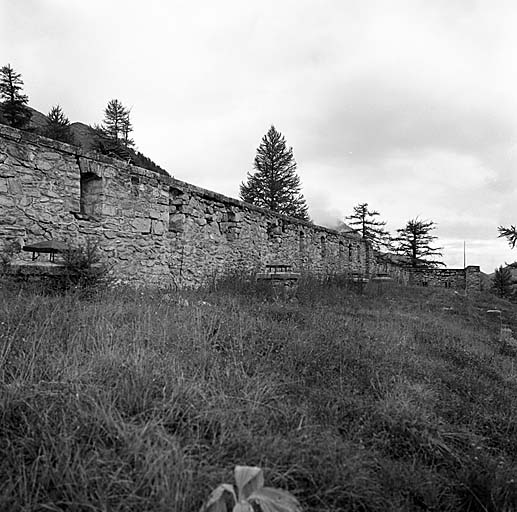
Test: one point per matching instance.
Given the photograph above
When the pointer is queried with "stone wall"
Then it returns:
(468, 278)
(456, 278)
(153, 229)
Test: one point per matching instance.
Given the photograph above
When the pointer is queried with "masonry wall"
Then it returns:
(456, 278)
(153, 229)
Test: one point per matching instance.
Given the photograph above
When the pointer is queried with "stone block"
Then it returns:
(142, 225)
(234, 216)
(44, 165)
(109, 210)
(6, 201)
(157, 227)
(7, 172)
(15, 187)
(50, 193)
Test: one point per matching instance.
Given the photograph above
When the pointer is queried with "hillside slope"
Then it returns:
(394, 400)
(87, 138)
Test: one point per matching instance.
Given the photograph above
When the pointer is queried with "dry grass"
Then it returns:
(146, 401)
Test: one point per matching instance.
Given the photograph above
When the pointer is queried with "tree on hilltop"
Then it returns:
(117, 125)
(414, 241)
(275, 184)
(14, 105)
(58, 126)
(371, 229)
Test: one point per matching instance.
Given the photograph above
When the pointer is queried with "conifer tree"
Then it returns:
(58, 126)
(371, 229)
(14, 104)
(509, 233)
(127, 128)
(502, 282)
(414, 241)
(117, 125)
(275, 184)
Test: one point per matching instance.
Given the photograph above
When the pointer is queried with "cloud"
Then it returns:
(368, 120)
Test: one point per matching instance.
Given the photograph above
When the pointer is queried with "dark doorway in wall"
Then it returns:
(323, 241)
(302, 241)
(135, 183)
(91, 194)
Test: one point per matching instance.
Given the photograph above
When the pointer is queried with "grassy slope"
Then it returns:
(363, 403)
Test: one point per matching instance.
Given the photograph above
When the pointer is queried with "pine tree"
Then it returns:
(117, 125)
(58, 126)
(509, 233)
(275, 184)
(14, 106)
(502, 282)
(127, 128)
(371, 229)
(414, 242)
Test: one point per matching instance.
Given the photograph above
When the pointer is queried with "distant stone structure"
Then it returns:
(466, 279)
(157, 230)
(153, 229)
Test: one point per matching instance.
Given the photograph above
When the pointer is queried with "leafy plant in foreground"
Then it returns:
(251, 495)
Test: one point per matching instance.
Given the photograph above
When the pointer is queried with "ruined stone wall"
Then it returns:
(442, 277)
(473, 277)
(454, 278)
(153, 229)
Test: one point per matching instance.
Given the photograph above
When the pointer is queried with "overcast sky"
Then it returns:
(410, 106)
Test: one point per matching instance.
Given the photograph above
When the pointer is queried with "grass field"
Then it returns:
(145, 401)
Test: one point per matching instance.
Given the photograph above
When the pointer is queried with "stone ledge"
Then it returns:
(278, 276)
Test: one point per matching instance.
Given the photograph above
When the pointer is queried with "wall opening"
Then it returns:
(358, 248)
(274, 231)
(301, 240)
(177, 198)
(350, 252)
(135, 182)
(341, 249)
(91, 194)
(323, 242)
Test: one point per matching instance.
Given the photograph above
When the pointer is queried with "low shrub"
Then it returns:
(84, 268)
